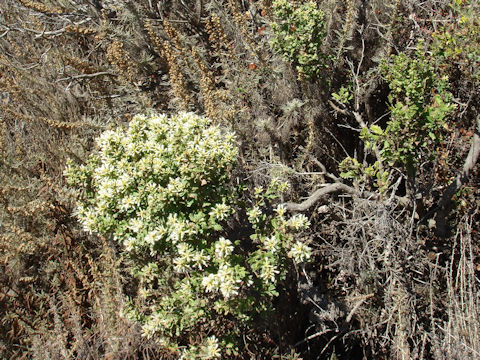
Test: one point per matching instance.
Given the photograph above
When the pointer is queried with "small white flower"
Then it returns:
(153, 236)
(211, 349)
(300, 252)
(283, 186)
(254, 214)
(144, 293)
(185, 257)
(298, 222)
(150, 238)
(224, 272)
(228, 289)
(182, 266)
(176, 233)
(133, 148)
(268, 271)
(220, 211)
(184, 249)
(259, 190)
(271, 243)
(176, 186)
(227, 282)
(148, 330)
(210, 282)
(129, 244)
(89, 220)
(223, 248)
(172, 219)
(128, 202)
(178, 229)
(156, 322)
(200, 259)
(281, 210)
(136, 225)
(105, 191)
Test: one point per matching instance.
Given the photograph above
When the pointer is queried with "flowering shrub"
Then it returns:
(161, 188)
(298, 36)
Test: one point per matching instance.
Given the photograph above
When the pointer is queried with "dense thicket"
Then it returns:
(368, 109)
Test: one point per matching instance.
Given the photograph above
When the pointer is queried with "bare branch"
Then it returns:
(321, 193)
(48, 33)
(81, 76)
(347, 112)
(361, 300)
(324, 169)
(362, 124)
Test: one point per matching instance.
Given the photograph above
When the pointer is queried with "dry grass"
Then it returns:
(456, 335)
(86, 320)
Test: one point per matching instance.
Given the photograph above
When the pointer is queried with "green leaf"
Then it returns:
(376, 129)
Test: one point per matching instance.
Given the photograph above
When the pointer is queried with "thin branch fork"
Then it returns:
(358, 117)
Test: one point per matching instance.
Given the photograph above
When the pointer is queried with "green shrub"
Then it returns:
(420, 104)
(298, 34)
(457, 42)
(161, 188)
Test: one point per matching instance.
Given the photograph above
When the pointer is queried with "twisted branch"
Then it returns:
(323, 192)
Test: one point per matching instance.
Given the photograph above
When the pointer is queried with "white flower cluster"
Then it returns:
(189, 259)
(179, 229)
(211, 349)
(157, 321)
(271, 243)
(254, 214)
(300, 252)
(269, 271)
(298, 222)
(153, 166)
(220, 211)
(281, 210)
(223, 248)
(225, 281)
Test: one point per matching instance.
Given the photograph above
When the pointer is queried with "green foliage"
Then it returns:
(161, 188)
(419, 103)
(352, 169)
(206, 267)
(299, 32)
(457, 43)
(344, 95)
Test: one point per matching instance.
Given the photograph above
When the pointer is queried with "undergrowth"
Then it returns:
(368, 110)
